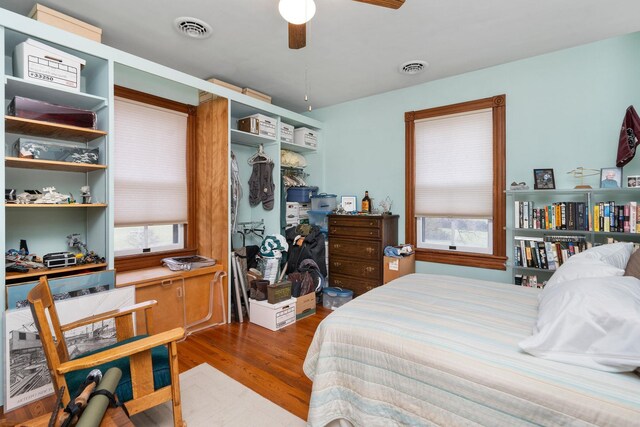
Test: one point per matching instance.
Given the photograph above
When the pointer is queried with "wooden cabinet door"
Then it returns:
(169, 313)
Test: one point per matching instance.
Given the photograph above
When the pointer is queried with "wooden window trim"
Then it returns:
(137, 261)
(497, 260)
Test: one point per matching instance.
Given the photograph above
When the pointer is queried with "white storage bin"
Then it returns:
(267, 125)
(272, 316)
(305, 137)
(286, 133)
(41, 63)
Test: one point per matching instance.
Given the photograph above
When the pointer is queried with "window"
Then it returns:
(455, 173)
(151, 165)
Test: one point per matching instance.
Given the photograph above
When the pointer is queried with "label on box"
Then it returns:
(52, 71)
(285, 317)
(394, 265)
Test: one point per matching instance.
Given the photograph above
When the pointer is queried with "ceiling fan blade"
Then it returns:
(393, 4)
(297, 36)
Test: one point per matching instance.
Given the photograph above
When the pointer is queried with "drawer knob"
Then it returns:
(370, 250)
(337, 264)
(337, 245)
(371, 233)
(337, 282)
(369, 269)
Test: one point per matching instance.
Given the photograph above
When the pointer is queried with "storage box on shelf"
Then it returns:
(547, 227)
(305, 137)
(65, 22)
(286, 133)
(35, 61)
(258, 124)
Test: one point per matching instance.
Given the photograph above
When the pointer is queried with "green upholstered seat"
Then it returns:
(124, 391)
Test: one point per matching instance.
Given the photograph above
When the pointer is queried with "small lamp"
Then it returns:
(297, 12)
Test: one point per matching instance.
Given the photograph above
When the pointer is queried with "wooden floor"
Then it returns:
(270, 363)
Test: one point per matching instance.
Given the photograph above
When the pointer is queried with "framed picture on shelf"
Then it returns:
(633, 181)
(543, 179)
(610, 178)
(348, 203)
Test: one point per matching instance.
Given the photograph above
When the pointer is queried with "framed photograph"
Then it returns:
(633, 181)
(611, 178)
(543, 179)
(349, 203)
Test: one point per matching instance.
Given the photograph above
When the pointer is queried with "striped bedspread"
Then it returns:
(442, 350)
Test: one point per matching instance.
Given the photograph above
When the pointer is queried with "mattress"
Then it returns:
(443, 350)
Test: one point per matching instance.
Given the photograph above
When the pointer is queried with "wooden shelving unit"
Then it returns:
(50, 271)
(51, 130)
(17, 162)
(52, 206)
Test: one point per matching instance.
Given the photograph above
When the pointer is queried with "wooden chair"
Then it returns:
(149, 363)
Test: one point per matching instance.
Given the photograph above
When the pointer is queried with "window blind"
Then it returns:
(150, 165)
(454, 165)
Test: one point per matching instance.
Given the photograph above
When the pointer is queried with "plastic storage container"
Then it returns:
(324, 202)
(319, 218)
(335, 297)
(301, 194)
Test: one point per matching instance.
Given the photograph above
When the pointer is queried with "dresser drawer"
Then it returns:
(353, 267)
(357, 285)
(350, 221)
(362, 249)
(340, 230)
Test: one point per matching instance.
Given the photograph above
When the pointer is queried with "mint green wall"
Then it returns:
(564, 110)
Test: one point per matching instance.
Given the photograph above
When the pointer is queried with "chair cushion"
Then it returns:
(124, 391)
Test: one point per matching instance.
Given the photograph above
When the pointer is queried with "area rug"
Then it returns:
(212, 399)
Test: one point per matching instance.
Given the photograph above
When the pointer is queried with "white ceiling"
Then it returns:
(353, 49)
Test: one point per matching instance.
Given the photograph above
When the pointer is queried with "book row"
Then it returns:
(605, 217)
(530, 281)
(546, 253)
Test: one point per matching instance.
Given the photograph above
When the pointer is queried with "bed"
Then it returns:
(443, 350)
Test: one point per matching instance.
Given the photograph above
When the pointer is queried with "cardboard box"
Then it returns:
(305, 306)
(398, 267)
(206, 96)
(266, 127)
(65, 22)
(286, 133)
(305, 137)
(257, 95)
(272, 316)
(35, 61)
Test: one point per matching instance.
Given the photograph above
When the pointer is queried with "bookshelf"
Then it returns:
(546, 227)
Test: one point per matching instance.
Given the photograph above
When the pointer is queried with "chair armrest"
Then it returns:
(124, 350)
(109, 314)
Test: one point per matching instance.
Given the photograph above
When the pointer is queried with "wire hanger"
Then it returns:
(259, 157)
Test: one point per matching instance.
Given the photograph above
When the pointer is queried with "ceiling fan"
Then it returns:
(298, 12)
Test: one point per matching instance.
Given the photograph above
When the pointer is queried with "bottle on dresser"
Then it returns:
(366, 203)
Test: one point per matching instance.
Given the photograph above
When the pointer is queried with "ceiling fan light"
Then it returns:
(297, 12)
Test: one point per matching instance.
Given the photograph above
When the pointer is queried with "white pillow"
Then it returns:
(598, 261)
(577, 267)
(616, 254)
(593, 322)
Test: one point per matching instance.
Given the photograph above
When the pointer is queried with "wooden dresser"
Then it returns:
(356, 249)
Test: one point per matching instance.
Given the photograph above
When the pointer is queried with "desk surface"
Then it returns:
(139, 277)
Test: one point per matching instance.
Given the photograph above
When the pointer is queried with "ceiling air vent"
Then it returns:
(192, 27)
(413, 67)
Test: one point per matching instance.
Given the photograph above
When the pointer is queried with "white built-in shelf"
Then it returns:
(297, 148)
(250, 139)
(37, 272)
(51, 130)
(19, 87)
(54, 206)
(17, 162)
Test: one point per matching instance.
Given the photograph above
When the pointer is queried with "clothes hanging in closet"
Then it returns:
(236, 192)
(261, 186)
